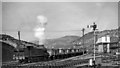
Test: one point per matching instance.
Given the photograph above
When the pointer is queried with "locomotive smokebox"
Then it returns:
(40, 29)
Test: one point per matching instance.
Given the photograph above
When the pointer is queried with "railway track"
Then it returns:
(77, 61)
(69, 62)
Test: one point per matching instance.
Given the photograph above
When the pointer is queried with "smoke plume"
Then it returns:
(40, 29)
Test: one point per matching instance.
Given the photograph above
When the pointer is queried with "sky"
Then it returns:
(63, 18)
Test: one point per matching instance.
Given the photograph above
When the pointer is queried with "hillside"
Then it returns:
(7, 52)
(63, 42)
(89, 38)
(11, 39)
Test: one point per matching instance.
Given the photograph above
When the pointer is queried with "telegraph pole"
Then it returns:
(18, 44)
(19, 35)
(83, 30)
(94, 26)
(19, 38)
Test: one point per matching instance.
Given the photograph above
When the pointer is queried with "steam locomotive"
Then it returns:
(31, 54)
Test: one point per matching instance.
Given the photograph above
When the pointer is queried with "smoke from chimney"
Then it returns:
(40, 29)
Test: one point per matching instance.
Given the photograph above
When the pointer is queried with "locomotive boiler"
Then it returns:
(31, 53)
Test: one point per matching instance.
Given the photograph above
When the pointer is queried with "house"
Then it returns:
(106, 44)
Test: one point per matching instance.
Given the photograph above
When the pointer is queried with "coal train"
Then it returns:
(38, 53)
(62, 53)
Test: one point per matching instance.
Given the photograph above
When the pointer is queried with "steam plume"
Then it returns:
(40, 29)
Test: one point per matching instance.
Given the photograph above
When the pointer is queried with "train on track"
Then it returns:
(32, 53)
(27, 52)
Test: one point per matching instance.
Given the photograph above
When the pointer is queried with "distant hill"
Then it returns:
(63, 42)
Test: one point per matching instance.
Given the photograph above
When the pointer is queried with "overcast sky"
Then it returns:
(64, 18)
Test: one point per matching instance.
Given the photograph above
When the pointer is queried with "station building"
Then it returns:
(107, 45)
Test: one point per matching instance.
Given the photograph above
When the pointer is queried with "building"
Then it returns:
(106, 44)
